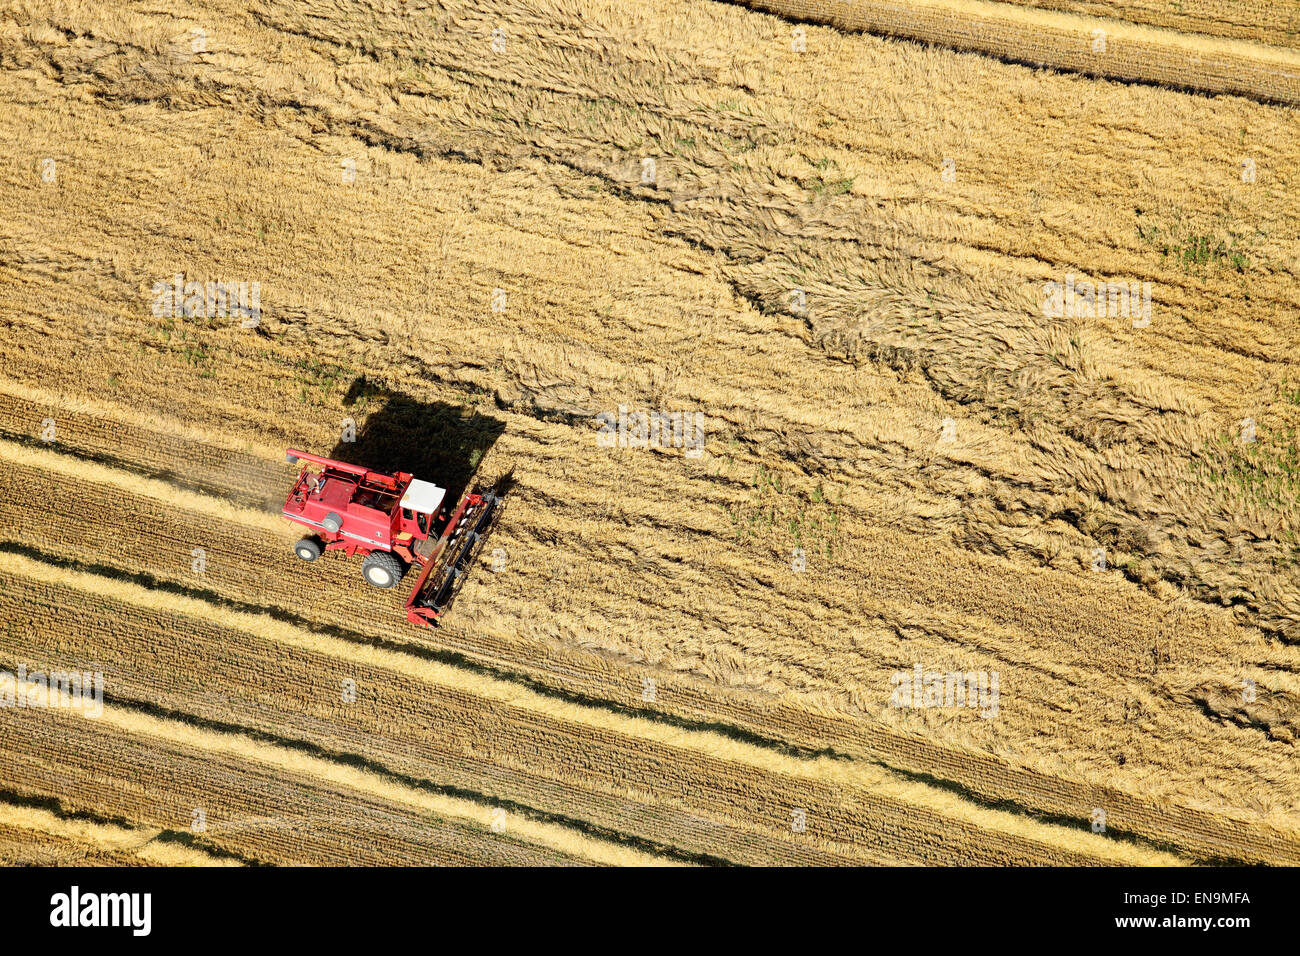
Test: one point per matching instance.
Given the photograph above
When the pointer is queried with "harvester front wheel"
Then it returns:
(308, 549)
(381, 569)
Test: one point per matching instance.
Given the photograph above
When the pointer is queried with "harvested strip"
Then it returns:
(258, 812)
(838, 773)
(1066, 41)
(458, 743)
(689, 805)
(166, 449)
(20, 395)
(1273, 23)
(545, 834)
(95, 837)
(92, 473)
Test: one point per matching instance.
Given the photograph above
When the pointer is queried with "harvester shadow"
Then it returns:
(435, 441)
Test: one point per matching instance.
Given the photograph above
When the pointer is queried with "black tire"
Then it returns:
(382, 569)
(332, 522)
(308, 549)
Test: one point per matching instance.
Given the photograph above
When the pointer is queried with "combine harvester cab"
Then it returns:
(395, 522)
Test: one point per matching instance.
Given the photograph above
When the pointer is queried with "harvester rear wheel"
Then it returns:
(308, 549)
(382, 569)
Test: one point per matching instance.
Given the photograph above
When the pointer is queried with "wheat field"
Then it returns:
(492, 224)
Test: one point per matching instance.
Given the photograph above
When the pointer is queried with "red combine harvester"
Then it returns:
(395, 521)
